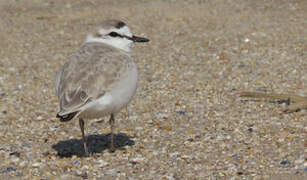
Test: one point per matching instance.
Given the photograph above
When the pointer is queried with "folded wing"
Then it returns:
(88, 75)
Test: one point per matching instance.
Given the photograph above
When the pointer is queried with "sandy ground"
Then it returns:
(186, 120)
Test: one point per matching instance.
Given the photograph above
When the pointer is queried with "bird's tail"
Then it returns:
(67, 117)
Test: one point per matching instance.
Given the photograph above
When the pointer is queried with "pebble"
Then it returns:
(239, 173)
(181, 112)
(174, 154)
(78, 172)
(155, 152)
(23, 163)
(36, 164)
(285, 162)
(138, 128)
(77, 162)
(235, 156)
(110, 171)
(102, 163)
(162, 116)
(299, 161)
(85, 167)
(15, 153)
(9, 169)
(138, 159)
(15, 159)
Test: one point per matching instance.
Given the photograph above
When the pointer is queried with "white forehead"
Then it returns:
(123, 31)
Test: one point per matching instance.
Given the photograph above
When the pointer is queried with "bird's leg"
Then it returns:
(128, 114)
(81, 123)
(111, 121)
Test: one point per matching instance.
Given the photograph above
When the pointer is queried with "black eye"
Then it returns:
(113, 34)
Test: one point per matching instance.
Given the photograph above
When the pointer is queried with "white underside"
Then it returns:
(114, 100)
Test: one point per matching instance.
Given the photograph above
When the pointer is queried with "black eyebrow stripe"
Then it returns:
(122, 36)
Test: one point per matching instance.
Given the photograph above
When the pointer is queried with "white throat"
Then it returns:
(120, 43)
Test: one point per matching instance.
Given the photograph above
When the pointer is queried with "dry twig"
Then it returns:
(299, 102)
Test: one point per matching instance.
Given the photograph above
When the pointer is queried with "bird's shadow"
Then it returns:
(96, 144)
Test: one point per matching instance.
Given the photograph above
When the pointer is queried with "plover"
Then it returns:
(100, 78)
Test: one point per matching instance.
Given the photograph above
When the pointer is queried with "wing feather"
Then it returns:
(88, 74)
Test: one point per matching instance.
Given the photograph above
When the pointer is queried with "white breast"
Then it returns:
(124, 90)
(114, 100)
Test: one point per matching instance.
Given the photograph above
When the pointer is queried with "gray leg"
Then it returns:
(128, 114)
(81, 123)
(112, 121)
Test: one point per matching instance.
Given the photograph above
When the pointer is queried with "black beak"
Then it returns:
(138, 39)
